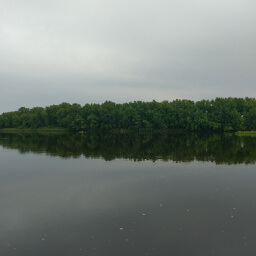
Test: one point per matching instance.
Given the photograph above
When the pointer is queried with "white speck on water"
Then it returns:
(188, 210)
(222, 231)
(160, 205)
(144, 214)
(43, 239)
(121, 228)
(232, 216)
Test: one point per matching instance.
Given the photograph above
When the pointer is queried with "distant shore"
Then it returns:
(61, 130)
(246, 133)
(55, 130)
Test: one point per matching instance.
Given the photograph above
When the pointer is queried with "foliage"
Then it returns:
(221, 114)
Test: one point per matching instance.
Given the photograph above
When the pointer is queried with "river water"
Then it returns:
(127, 195)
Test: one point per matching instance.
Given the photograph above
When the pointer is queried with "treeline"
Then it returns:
(221, 114)
(220, 148)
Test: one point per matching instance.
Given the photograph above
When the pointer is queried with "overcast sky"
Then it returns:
(89, 51)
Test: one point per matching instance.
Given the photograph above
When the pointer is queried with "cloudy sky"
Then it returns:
(89, 51)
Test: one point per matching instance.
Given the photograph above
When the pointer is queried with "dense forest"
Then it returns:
(221, 114)
(223, 148)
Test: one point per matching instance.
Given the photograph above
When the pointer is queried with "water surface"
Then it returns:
(109, 194)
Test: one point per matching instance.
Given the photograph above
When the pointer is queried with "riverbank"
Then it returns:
(60, 130)
(42, 130)
(246, 133)
(64, 130)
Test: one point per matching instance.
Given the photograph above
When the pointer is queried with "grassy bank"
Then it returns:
(246, 133)
(44, 130)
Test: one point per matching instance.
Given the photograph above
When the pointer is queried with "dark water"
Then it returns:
(111, 195)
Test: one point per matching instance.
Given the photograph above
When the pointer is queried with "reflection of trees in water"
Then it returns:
(184, 147)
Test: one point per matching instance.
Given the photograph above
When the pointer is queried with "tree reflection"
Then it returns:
(180, 147)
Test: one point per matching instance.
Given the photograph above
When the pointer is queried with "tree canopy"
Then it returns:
(221, 114)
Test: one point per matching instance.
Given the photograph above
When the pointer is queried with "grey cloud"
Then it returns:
(124, 51)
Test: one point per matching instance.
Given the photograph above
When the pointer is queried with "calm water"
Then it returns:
(127, 195)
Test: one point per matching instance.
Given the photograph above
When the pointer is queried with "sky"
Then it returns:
(83, 51)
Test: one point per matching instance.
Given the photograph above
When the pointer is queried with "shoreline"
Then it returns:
(50, 130)
(246, 133)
